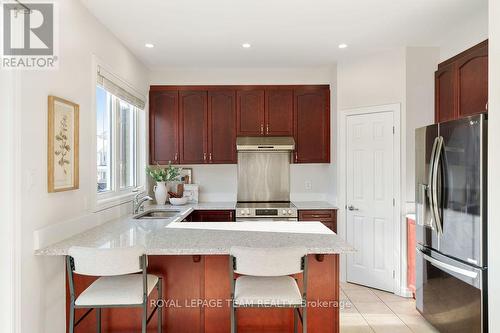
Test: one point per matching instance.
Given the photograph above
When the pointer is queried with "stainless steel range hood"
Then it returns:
(267, 143)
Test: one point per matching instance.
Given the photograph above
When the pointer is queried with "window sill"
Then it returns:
(106, 201)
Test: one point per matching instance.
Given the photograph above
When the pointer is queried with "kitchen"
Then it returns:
(204, 98)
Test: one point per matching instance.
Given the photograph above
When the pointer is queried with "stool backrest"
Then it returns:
(268, 261)
(106, 262)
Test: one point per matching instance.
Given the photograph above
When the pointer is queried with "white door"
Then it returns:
(370, 193)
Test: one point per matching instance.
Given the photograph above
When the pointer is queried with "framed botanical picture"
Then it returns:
(63, 145)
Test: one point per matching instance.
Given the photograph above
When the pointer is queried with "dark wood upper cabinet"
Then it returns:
(199, 124)
(222, 126)
(279, 112)
(250, 114)
(164, 127)
(445, 93)
(193, 127)
(472, 76)
(312, 125)
(461, 84)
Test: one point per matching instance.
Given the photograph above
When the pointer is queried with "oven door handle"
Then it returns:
(451, 268)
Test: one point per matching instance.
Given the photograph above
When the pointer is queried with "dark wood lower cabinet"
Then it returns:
(327, 216)
(196, 291)
(212, 216)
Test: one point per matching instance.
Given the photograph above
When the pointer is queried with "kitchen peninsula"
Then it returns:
(192, 258)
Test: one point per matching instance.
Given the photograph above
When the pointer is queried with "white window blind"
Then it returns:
(119, 88)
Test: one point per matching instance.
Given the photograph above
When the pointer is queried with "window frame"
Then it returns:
(116, 195)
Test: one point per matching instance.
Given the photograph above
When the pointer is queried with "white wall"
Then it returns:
(372, 79)
(493, 170)
(81, 36)
(471, 31)
(421, 62)
(9, 198)
(218, 182)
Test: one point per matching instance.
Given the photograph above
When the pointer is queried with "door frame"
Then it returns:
(398, 237)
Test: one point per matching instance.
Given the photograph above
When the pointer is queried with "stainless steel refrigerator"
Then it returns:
(451, 173)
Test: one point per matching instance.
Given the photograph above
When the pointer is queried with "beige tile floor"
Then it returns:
(374, 311)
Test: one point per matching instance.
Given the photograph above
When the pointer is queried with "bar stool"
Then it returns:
(265, 280)
(117, 285)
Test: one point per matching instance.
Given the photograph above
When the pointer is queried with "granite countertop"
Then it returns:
(232, 205)
(313, 205)
(171, 236)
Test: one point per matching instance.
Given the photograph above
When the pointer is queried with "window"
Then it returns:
(118, 148)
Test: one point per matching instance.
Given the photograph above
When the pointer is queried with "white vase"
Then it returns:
(160, 190)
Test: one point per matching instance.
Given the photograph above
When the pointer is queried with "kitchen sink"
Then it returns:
(157, 214)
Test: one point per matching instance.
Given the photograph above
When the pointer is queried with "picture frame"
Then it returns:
(191, 192)
(186, 175)
(63, 145)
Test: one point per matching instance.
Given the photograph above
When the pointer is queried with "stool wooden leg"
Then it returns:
(98, 319)
(160, 305)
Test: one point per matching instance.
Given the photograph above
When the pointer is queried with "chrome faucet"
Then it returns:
(137, 204)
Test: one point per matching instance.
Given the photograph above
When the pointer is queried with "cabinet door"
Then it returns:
(183, 284)
(250, 114)
(222, 126)
(328, 217)
(212, 216)
(445, 93)
(472, 72)
(279, 112)
(193, 126)
(312, 125)
(164, 127)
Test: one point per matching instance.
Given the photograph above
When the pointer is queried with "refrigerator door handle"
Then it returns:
(451, 268)
(434, 190)
(430, 181)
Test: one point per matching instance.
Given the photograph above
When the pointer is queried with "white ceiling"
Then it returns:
(283, 33)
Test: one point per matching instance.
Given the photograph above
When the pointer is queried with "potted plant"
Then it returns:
(162, 176)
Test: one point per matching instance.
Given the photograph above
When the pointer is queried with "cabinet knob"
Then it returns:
(210, 157)
(175, 157)
(267, 128)
(204, 156)
(261, 128)
(296, 157)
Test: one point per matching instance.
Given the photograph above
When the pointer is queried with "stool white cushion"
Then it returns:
(269, 291)
(116, 290)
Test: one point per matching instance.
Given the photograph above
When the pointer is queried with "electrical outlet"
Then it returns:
(308, 185)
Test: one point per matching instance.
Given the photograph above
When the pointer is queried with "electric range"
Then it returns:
(266, 211)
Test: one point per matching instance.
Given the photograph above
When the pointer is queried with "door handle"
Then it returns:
(204, 156)
(351, 207)
(449, 267)
(261, 128)
(210, 157)
(435, 169)
(267, 128)
(175, 157)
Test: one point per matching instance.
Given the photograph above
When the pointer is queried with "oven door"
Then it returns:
(266, 219)
(450, 294)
